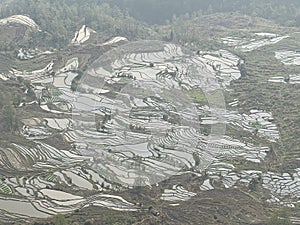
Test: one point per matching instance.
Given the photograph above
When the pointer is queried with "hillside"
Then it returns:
(106, 119)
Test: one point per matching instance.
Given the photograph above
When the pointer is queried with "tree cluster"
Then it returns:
(59, 19)
(8, 119)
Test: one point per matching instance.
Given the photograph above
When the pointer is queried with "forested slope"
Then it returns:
(60, 19)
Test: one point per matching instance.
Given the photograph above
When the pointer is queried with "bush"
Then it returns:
(60, 220)
(280, 218)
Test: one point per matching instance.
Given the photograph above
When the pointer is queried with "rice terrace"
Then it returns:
(119, 118)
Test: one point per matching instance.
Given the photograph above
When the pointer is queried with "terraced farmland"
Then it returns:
(134, 113)
(142, 113)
